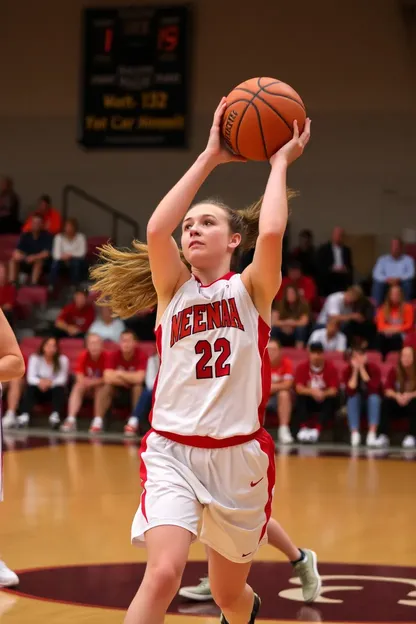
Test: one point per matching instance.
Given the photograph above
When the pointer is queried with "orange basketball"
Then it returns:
(259, 117)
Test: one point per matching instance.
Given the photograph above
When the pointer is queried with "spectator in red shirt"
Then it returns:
(51, 216)
(89, 382)
(125, 371)
(305, 285)
(280, 400)
(316, 384)
(362, 380)
(400, 398)
(75, 318)
(7, 294)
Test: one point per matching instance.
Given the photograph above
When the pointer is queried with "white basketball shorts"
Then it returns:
(221, 495)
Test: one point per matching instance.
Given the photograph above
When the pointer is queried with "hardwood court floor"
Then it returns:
(69, 506)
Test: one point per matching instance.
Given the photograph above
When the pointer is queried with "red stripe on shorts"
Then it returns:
(267, 446)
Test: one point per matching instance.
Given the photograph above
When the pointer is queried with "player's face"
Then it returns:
(94, 345)
(274, 352)
(80, 299)
(406, 357)
(206, 236)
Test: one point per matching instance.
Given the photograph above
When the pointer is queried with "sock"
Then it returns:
(301, 558)
(71, 419)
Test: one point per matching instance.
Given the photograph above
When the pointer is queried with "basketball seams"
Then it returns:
(249, 102)
(287, 97)
(263, 140)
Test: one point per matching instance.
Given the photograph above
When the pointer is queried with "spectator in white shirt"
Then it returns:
(68, 253)
(107, 327)
(330, 337)
(47, 378)
(395, 268)
(341, 306)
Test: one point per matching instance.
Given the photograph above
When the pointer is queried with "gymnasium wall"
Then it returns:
(352, 62)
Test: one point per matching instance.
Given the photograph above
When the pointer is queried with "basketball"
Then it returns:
(259, 117)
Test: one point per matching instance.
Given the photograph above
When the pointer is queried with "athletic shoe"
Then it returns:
(313, 436)
(355, 439)
(307, 571)
(371, 440)
(284, 435)
(256, 609)
(201, 592)
(132, 426)
(23, 420)
(9, 420)
(409, 442)
(69, 425)
(7, 577)
(303, 434)
(96, 425)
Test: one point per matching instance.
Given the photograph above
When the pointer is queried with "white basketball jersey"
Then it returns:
(214, 376)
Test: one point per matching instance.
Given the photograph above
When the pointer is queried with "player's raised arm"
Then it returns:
(12, 365)
(166, 265)
(264, 273)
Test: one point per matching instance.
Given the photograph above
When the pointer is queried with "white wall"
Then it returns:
(350, 61)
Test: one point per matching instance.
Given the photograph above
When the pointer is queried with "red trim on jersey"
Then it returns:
(266, 375)
(206, 441)
(158, 334)
(143, 474)
(227, 276)
(267, 446)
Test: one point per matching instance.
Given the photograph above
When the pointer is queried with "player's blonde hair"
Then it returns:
(123, 279)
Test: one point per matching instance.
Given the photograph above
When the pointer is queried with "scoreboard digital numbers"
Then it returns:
(135, 77)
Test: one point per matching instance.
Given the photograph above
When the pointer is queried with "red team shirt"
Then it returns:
(323, 379)
(83, 318)
(283, 371)
(89, 367)
(116, 361)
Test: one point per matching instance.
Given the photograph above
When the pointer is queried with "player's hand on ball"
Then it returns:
(215, 148)
(294, 148)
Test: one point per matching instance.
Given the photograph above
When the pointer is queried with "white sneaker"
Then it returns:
(69, 425)
(355, 439)
(284, 435)
(371, 439)
(303, 434)
(313, 436)
(54, 419)
(409, 442)
(382, 441)
(23, 420)
(9, 420)
(132, 426)
(96, 425)
(7, 577)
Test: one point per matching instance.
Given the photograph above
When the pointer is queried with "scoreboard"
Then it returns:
(135, 77)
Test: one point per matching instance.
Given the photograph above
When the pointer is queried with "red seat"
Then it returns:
(31, 343)
(72, 343)
(93, 242)
(295, 354)
(148, 347)
(335, 356)
(392, 358)
(410, 249)
(384, 371)
(374, 357)
(32, 296)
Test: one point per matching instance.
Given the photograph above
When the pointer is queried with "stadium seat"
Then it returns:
(296, 355)
(30, 297)
(374, 357)
(148, 346)
(392, 358)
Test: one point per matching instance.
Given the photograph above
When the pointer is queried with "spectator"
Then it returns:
(107, 327)
(395, 268)
(68, 253)
(144, 404)
(361, 327)
(9, 208)
(340, 306)
(334, 264)
(89, 382)
(400, 398)
(305, 285)
(50, 215)
(75, 318)
(280, 400)
(32, 253)
(290, 319)
(7, 294)
(305, 253)
(394, 319)
(125, 372)
(316, 384)
(362, 381)
(330, 337)
(47, 378)
(14, 390)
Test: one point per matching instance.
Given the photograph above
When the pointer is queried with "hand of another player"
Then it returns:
(215, 148)
(294, 148)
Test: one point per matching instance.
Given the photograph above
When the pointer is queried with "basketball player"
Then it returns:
(207, 457)
(12, 366)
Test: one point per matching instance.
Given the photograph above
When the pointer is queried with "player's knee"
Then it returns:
(226, 597)
(165, 578)
(284, 396)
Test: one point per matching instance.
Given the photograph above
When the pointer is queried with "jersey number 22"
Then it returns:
(220, 368)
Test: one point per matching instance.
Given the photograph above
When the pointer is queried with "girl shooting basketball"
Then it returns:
(207, 457)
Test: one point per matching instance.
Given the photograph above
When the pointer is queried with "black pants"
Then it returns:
(365, 330)
(306, 406)
(385, 344)
(391, 410)
(32, 395)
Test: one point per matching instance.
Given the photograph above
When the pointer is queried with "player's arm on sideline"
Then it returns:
(12, 364)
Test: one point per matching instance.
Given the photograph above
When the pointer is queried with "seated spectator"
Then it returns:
(280, 400)
(394, 319)
(68, 253)
(316, 385)
(400, 398)
(144, 404)
(361, 326)
(51, 217)
(335, 268)
(125, 372)
(9, 208)
(13, 390)
(395, 268)
(305, 285)
(305, 253)
(107, 327)
(33, 252)
(330, 336)
(340, 306)
(7, 294)
(89, 382)
(362, 381)
(290, 319)
(47, 379)
(75, 318)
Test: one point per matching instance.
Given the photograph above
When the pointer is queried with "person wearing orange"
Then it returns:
(51, 217)
(394, 319)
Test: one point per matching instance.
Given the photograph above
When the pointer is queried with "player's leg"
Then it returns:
(96, 425)
(167, 553)
(284, 403)
(132, 424)
(74, 405)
